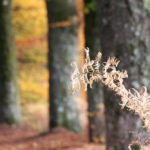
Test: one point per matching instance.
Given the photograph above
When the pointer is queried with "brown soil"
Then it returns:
(20, 138)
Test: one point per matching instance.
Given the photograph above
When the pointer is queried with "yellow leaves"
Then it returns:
(31, 86)
(29, 18)
(28, 3)
(33, 73)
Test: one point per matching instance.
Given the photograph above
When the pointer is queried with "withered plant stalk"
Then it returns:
(138, 102)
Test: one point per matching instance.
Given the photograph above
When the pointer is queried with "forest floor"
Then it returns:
(21, 138)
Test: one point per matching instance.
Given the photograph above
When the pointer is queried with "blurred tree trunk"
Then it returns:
(63, 41)
(124, 33)
(9, 95)
(95, 95)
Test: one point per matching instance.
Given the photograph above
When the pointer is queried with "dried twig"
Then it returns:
(139, 102)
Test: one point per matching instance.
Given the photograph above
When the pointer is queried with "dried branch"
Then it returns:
(139, 102)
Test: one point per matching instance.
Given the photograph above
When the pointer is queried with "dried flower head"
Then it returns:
(139, 102)
(88, 74)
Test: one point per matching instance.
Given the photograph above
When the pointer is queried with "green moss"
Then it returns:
(135, 146)
(90, 6)
(119, 51)
(12, 121)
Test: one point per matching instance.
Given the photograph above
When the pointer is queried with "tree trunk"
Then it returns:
(9, 95)
(124, 33)
(95, 95)
(63, 49)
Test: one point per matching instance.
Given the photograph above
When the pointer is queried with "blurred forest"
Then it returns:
(30, 32)
(31, 42)
(39, 40)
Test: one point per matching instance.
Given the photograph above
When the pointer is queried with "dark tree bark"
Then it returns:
(95, 95)
(124, 33)
(9, 95)
(63, 49)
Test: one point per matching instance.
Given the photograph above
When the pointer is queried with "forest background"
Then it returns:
(49, 35)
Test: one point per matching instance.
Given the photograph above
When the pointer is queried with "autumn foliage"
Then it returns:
(30, 26)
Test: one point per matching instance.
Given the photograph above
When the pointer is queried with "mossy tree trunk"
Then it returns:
(95, 95)
(63, 42)
(124, 33)
(9, 95)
